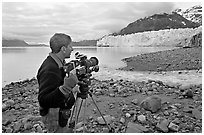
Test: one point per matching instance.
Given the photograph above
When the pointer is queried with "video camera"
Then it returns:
(86, 66)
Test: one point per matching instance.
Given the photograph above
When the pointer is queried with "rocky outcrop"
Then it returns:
(196, 41)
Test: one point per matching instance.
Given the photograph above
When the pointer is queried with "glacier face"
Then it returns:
(168, 37)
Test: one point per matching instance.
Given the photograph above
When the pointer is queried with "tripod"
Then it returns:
(84, 93)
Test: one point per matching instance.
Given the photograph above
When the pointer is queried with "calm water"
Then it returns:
(23, 63)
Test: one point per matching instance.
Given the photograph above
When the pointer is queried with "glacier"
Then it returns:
(168, 37)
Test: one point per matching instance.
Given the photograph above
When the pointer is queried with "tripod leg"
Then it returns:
(75, 119)
(70, 120)
(77, 115)
(100, 112)
(79, 110)
(84, 116)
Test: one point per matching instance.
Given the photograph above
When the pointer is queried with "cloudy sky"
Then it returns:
(36, 22)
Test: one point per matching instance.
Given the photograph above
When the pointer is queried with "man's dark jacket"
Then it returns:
(50, 77)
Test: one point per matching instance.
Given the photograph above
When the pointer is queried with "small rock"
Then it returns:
(23, 105)
(188, 94)
(5, 122)
(197, 114)
(4, 107)
(178, 105)
(149, 92)
(141, 118)
(111, 106)
(137, 89)
(166, 113)
(17, 126)
(173, 127)
(174, 111)
(36, 118)
(134, 117)
(176, 121)
(144, 89)
(112, 95)
(125, 95)
(111, 90)
(35, 125)
(9, 130)
(122, 120)
(17, 106)
(39, 129)
(180, 97)
(135, 128)
(108, 119)
(105, 130)
(173, 106)
(184, 86)
(90, 117)
(171, 84)
(10, 102)
(27, 126)
(79, 125)
(94, 111)
(80, 129)
(132, 112)
(125, 108)
(127, 115)
(163, 126)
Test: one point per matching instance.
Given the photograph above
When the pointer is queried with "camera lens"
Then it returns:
(93, 61)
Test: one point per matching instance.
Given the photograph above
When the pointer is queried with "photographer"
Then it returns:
(55, 88)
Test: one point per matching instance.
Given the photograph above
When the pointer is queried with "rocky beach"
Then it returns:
(156, 101)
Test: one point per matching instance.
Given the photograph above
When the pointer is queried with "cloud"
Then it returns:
(36, 22)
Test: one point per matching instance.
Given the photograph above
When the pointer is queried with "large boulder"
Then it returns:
(152, 103)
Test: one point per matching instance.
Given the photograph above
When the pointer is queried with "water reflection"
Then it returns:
(14, 50)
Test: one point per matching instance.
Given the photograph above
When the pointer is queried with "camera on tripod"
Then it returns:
(87, 66)
(84, 67)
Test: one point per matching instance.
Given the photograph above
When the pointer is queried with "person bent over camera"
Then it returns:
(55, 88)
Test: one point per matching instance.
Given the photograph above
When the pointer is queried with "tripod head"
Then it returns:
(84, 88)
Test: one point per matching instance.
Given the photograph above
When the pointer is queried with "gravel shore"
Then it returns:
(129, 107)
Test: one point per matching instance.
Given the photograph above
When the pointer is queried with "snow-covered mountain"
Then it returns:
(193, 14)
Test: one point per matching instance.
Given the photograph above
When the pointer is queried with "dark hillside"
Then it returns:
(14, 43)
(158, 22)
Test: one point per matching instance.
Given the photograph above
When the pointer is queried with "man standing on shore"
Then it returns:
(55, 88)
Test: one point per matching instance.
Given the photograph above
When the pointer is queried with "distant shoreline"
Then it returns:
(170, 60)
(42, 46)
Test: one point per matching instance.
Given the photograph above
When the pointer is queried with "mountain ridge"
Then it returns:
(157, 22)
(19, 43)
(22, 43)
(193, 14)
